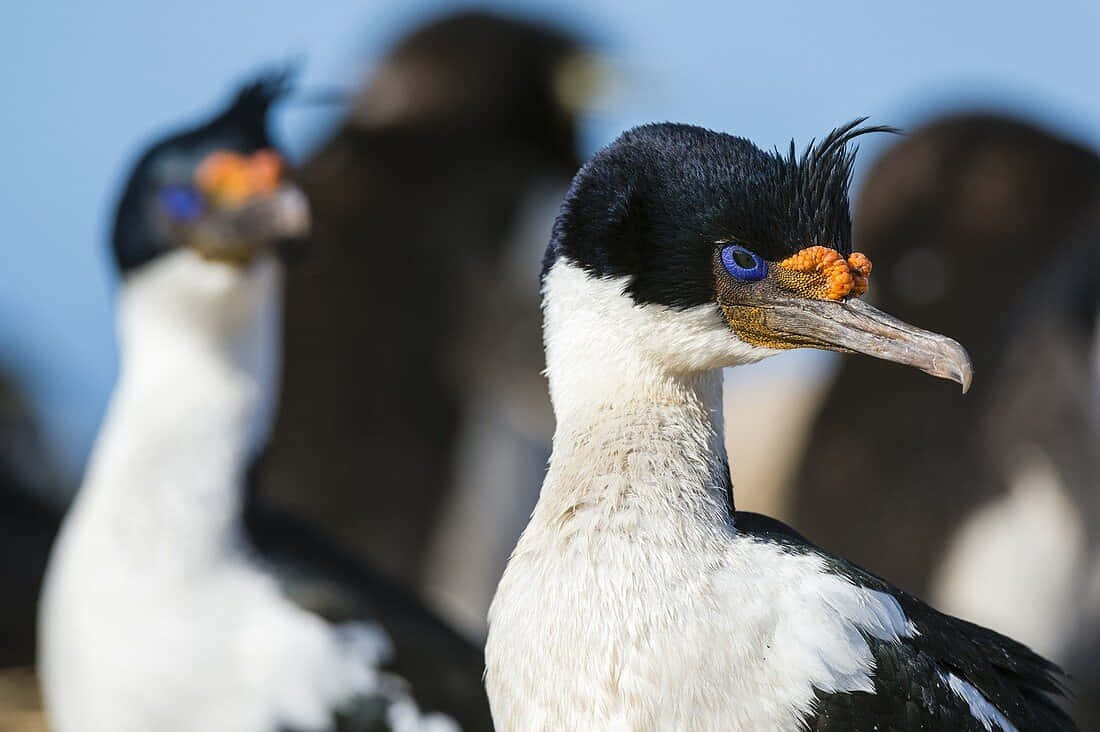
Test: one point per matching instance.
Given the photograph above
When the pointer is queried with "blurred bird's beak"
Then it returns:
(280, 215)
(289, 222)
(276, 220)
(856, 327)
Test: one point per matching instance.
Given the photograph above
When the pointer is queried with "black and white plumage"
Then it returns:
(159, 612)
(637, 598)
(1002, 219)
(918, 684)
(411, 353)
(443, 668)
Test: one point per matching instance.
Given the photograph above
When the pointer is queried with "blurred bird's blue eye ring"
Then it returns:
(743, 264)
(182, 203)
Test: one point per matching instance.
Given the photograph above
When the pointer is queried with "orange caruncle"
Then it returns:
(231, 178)
(841, 277)
(222, 175)
(265, 169)
(861, 271)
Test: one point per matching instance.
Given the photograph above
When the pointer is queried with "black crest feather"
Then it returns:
(814, 186)
(249, 109)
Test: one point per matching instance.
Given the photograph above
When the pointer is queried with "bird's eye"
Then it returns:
(182, 203)
(743, 264)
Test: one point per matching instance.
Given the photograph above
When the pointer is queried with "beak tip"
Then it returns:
(962, 368)
(945, 358)
(292, 212)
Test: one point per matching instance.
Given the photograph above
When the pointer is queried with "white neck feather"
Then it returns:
(637, 394)
(199, 366)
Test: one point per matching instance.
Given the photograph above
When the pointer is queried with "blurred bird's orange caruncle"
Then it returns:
(231, 178)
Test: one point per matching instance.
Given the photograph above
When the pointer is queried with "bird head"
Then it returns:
(219, 190)
(727, 253)
(205, 214)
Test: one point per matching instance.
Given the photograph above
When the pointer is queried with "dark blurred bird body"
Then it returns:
(169, 604)
(637, 597)
(28, 524)
(406, 316)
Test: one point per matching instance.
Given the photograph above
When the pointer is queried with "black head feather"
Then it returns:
(654, 203)
(249, 109)
(814, 188)
(242, 126)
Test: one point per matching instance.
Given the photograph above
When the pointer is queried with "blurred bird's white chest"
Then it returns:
(153, 617)
(130, 651)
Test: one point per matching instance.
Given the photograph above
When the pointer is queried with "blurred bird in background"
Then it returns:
(28, 522)
(413, 412)
(987, 227)
(158, 611)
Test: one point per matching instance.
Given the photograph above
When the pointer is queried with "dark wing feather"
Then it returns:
(911, 692)
(443, 669)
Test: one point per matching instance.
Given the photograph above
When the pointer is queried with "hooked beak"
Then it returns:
(276, 220)
(281, 215)
(854, 326)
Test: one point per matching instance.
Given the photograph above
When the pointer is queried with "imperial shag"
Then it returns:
(158, 614)
(637, 598)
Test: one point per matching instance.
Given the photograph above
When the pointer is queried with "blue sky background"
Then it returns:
(87, 85)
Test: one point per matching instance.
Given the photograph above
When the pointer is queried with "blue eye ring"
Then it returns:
(182, 203)
(743, 264)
